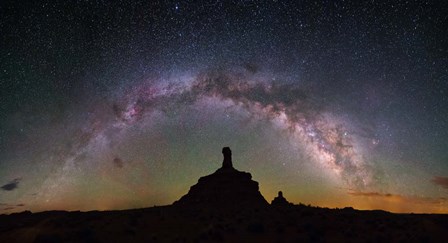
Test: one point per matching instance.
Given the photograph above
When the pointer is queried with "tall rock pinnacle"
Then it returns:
(227, 162)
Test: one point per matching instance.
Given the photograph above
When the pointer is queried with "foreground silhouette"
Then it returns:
(224, 206)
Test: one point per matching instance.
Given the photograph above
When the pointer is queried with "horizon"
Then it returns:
(126, 104)
(369, 194)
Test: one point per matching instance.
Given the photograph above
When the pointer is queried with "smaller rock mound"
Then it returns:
(280, 201)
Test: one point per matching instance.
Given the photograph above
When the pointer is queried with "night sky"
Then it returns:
(126, 104)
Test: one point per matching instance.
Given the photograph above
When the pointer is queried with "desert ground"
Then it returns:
(292, 223)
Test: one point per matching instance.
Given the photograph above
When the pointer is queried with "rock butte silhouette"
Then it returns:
(226, 188)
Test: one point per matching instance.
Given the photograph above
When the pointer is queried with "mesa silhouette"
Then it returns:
(224, 206)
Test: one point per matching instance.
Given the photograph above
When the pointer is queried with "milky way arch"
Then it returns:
(325, 137)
